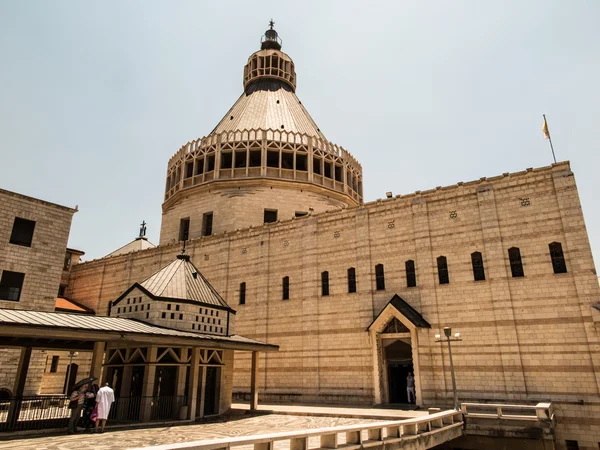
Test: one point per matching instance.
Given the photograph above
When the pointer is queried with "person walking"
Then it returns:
(88, 407)
(104, 400)
(76, 406)
(410, 388)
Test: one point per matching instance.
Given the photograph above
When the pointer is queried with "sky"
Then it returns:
(95, 97)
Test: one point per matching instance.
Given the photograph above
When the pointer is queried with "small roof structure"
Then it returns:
(407, 311)
(139, 243)
(52, 329)
(65, 305)
(180, 281)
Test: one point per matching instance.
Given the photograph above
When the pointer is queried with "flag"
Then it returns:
(545, 129)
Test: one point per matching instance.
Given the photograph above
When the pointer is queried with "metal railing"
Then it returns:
(371, 435)
(39, 412)
(34, 412)
(542, 412)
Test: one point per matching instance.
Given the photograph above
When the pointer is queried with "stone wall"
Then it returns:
(42, 262)
(241, 204)
(525, 339)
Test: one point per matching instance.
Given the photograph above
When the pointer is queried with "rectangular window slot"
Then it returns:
(317, 166)
(240, 160)
(287, 160)
(207, 224)
(226, 160)
(200, 166)
(270, 215)
(338, 173)
(11, 285)
(184, 229)
(272, 159)
(210, 163)
(22, 232)
(255, 156)
(243, 293)
(351, 280)
(301, 162)
(189, 169)
(285, 288)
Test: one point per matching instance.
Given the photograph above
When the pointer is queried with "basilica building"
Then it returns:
(354, 293)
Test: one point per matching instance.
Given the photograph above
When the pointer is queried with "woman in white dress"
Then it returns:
(104, 400)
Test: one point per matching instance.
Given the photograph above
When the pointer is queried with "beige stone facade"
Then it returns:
(524, 337)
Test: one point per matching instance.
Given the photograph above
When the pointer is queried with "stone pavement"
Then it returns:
(132, 438)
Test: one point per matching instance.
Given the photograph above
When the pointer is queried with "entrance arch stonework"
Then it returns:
(397, 321)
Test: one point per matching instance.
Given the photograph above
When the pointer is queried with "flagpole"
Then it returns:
(549, 138)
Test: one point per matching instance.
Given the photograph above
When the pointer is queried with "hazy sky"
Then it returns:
(95, 97)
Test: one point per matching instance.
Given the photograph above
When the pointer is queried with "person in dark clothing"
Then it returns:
(88, 406)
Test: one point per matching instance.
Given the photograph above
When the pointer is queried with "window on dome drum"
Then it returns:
(286, 288)
(287, 160)
(301, 162)
(478, 270)
(301, 213)
(226, 160)
(210, 163)
(442, 266)
(200, 166)
(184, 229)
(272, 159)
(22, 232)
(327, 167)
(240, 159)
(516, 265)
(573, 445)
(207, 224)
(61, 290)
(270, 215)
(189, 169)
(243, 293)
(54, 364)
(317, 166)
(411, 276)
(11, 285)
(338, 173)
(255, 158)
(558, 259)
(324, 283)
(351, 280)
(379, 277)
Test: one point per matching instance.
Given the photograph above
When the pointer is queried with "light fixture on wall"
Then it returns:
(449, 338)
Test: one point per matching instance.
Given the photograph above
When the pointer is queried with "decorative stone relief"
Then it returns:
(391, 224)
(286, 243)
(244, 251)
(336, 234)
(525, 201)
(206, 257)
(453, 214)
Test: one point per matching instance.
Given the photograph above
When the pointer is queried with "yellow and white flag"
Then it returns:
(545, 129)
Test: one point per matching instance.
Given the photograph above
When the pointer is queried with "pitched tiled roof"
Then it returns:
(50, 320)
(269, 104)
(181, 280)
(63, 304)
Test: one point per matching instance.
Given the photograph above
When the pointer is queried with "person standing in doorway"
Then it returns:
(104, 400)
(410, 388)
(76, 406)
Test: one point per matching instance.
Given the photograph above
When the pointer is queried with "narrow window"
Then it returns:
(516, 265)
(478, 270)
(572, 445)
(286, 288)
(200, 166)
(411, 276)
(210, 163)
(169, 307)
(226, 160)
(558, 259)
(301, 214)
(240, 159)
(147, 315)
(317, 166)
(255, 156)
(442, 266)
(287, 160)
(176, 307)
(270, 215)
(379, 277)
(338, 173)
(301, 162)
(11, 285)
(61, 290)
(54, 364)
(172, 315)
(164, 315)
(273, 159)
(327, 166)
(324, 283)
(184, 229)
(189, 169)
(351, 280)
(207, 224)
(243, 293)
(22, 232)
(180, 316)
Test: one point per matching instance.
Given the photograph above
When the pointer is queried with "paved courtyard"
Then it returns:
(123, 439)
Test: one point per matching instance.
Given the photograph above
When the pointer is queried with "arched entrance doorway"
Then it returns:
(398, 358)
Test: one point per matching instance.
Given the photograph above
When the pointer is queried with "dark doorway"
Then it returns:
(164, 402)
(135, 392)
(398, 356)
(70, 378)
(211, 391)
